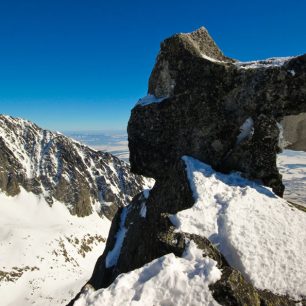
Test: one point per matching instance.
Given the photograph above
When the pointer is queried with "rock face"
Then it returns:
(208, 99)
(58, 168)
(219, 111)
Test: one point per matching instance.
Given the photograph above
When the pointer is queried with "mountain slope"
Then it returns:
(55, 194)
(46, 253)
(58, 168)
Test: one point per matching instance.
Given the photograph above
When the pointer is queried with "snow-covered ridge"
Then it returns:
(168, 280)
(258, 233)
(270, 62)
(59, 168)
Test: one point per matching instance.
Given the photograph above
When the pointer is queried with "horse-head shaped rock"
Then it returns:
(216, 109)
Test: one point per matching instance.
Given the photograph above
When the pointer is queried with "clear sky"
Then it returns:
(82, 64)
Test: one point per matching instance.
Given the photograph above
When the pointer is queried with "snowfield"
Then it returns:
(47, 254)
(292, 165)
(168, 281)
(259, 233)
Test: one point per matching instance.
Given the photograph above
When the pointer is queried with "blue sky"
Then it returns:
(82, 65)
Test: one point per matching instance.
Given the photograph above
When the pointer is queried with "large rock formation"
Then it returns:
(58, 168)
(207, 100)
(219, 111)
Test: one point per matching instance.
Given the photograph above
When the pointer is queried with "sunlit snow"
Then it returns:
(46, 254)
(258, 232)
(168, 280)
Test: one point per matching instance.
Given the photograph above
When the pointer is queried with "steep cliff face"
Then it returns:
(206, 112)
(56, 167)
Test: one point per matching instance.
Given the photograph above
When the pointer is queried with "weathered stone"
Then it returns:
(208, 100)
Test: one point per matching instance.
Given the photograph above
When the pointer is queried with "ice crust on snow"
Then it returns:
(168, 280)
(149, 99)
(258, 233)
(270, 62)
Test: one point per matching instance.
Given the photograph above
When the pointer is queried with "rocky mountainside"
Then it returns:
(208, 133)
(57, 168)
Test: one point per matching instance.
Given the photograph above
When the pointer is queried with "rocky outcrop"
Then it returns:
(58, 168)
(207, 100)
(219, 111)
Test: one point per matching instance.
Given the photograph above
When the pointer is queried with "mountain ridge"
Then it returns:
(56, 167)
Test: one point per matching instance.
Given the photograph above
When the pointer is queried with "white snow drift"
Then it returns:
(168, 281)
(259, 233)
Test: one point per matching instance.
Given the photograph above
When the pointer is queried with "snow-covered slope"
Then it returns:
(56, 196)
(46, 254)
(55, 166)
(169, 281)
(259, 233)
(292, 165)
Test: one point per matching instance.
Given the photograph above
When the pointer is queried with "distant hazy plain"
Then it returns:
(114, 142)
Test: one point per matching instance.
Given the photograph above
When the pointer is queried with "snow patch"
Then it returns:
(113, 255)
(270, 62)
(149, 99)
(292, 72)
(143, 210)
(246, 130)
(168, 280)
(146, 193)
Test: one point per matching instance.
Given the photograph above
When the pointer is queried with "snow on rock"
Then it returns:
(270, 62)
(143, 206)
(149, 99)
(168, 280)
(246, 130)
(143, 210)
(292, 166)
(113, 255)
(46, 253)
(259, 233)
